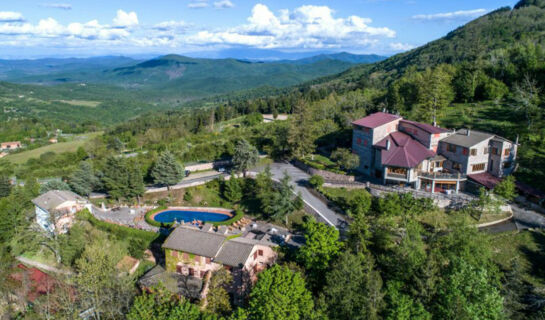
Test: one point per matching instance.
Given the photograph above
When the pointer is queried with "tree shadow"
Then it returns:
(536, 257)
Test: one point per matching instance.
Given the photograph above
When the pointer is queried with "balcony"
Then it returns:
(443, 176)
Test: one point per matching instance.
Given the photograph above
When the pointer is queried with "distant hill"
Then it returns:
(20, 69)
(498, 29)
(341, 56)
(180, 77)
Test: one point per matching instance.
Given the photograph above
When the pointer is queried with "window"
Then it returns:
(208, 260)
(365, 142)
(507, 165)
(478, 167)
(456, 166)
(191, 271)
(451, 148)
(495, 151)
(507, 152)
(485, 151)
(197, 258)
(185, 256)
(260, 253)
(255, 255)
(473, 152)
(174, 254)
(358, 141)
(464, 151)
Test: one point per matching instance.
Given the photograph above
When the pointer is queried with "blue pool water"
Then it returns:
(187, 215)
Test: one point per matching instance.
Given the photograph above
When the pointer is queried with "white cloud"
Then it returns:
(223, 4)
(198, 5)
(125, 19)
(10, 16)
(462, 14)
(398, 46)
(171, 26)
(305, 27)
(63, 6)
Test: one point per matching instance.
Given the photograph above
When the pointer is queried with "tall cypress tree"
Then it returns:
(136, 181)
(167, 171)
(5, 186)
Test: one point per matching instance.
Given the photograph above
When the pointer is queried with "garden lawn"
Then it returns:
(69, 146)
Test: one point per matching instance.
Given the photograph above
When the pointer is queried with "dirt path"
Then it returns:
(42, 266)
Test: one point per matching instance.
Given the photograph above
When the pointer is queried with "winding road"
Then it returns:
(298, 180)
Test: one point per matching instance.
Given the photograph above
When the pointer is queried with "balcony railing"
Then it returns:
(442, 176)
(396, 175)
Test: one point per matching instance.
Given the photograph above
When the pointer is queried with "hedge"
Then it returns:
(238, 215)
(154, 223)
(120, 232)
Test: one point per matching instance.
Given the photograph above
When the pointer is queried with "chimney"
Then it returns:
(384, 110)
(468, 132)
(387, 144)
(434, 121)
(517, 140)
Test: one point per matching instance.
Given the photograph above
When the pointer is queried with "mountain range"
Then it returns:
(179, 77)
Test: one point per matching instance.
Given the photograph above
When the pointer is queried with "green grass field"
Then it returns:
(69, 146)
(527, 248)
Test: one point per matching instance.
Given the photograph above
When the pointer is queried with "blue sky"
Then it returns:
(30, 28)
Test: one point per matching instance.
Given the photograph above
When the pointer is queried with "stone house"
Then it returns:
(424, 156)
(192, 254)
(55, 210)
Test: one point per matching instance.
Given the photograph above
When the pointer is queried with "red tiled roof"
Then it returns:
(376, 120)
(405, 152)
(524, 188)
(40, 282)
(426, 127)
(485, 179)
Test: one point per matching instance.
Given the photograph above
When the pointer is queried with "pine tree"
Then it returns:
(83, 180)
(116, 177)
(232, 189)
(167, 171)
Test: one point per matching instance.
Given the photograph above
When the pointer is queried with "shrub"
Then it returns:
(136, 247)
(188, 196)
(316, 181)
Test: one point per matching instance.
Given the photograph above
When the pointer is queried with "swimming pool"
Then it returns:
(189, 215)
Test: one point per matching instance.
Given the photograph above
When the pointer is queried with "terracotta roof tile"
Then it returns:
(405, 152)
(376, 120)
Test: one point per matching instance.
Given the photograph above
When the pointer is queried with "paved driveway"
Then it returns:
(525, 219)
(298, 180)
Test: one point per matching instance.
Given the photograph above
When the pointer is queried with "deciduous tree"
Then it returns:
(280, 293)
(245, 156)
